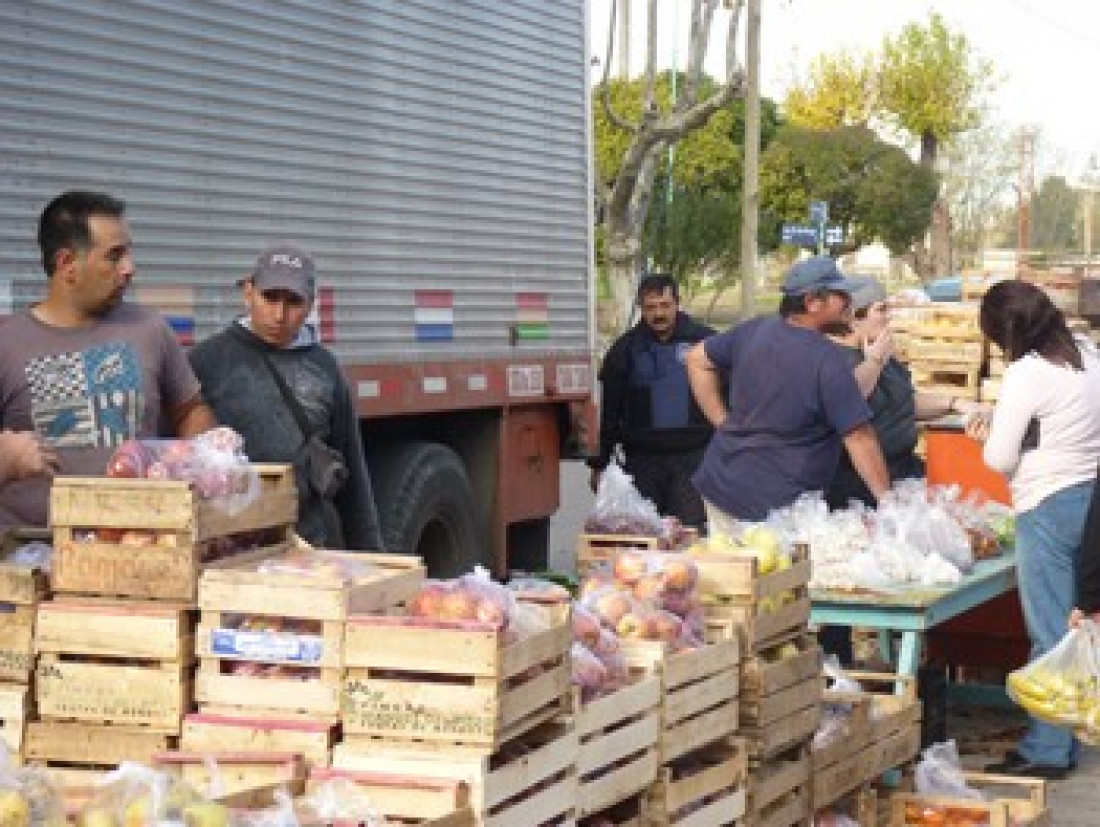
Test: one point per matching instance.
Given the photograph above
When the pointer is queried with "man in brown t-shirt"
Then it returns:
(83, 369)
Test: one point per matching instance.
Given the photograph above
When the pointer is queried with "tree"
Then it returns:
(648, 131)
(926, 83)
(1055, 217)
(873, 189)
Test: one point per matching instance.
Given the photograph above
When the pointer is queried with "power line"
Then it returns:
(1075, 34)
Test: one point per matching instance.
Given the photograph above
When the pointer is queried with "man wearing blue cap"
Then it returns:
(793, 403)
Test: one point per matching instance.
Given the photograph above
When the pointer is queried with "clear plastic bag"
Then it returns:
(620, 509)
(213, 462)
(317, 563)
(135, 794)
(472, 597)
(939, 774)
(339, 800)
(27, 796)
(1063, 686)
(33, 555)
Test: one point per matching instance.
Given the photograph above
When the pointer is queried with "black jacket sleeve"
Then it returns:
(1088, 567)
(614, 377)
(355, 503)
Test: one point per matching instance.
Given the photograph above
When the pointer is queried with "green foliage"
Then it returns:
(1054, 216)
(930, 81)
(840, 90)
(874, 191)
(695, 233)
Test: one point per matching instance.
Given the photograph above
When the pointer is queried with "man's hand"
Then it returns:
(27, 455)
(594, 479)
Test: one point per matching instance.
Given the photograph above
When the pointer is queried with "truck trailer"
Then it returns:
(433, 157)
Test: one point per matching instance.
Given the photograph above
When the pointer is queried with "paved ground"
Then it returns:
(983, 734)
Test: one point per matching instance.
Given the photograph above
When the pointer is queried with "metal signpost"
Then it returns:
(815, 234)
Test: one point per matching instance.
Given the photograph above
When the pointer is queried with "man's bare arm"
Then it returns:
(192, 418)
(706, 385)
(866, 456)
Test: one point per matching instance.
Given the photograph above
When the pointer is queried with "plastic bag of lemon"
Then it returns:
(1063, 686)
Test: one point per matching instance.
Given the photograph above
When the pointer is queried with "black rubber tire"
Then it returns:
(427, 507)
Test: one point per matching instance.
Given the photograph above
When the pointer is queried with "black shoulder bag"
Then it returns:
(325, 467)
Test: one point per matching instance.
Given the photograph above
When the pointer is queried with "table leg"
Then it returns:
(909, 656)
(886, 645)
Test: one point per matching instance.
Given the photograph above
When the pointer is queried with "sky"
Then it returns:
(1045, 52)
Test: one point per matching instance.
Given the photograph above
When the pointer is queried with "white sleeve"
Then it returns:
(1016, 405)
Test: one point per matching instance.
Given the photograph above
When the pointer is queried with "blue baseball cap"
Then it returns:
(817, 273)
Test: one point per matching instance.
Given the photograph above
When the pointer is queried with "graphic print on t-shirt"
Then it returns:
(86, 399)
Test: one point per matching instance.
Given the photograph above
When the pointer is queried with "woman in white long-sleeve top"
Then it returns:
(1044, 434)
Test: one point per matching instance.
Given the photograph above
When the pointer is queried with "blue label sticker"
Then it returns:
(267, 646)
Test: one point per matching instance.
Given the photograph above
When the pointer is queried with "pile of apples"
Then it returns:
(648, 595)
(467, 598)
(213, 462)
(757, 541)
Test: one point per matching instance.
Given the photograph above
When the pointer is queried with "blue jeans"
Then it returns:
(1048, 541)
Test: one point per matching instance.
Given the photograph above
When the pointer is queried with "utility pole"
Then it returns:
(624, 39)
(750, 192)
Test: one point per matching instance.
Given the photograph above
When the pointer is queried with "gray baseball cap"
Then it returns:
(817, 273)
(285, 267)
(867, 290)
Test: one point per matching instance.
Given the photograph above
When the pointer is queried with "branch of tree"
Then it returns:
(731, 41)
(605, 85)
(643, 192)
(701, 23)
(674, 126)
(649, 99)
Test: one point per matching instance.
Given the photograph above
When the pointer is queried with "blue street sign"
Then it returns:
(800, 234)
(834, 235)
(819, 212)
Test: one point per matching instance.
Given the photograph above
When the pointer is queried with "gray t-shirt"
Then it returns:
(86, 390)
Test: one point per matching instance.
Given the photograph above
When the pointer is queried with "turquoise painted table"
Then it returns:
(914, 611)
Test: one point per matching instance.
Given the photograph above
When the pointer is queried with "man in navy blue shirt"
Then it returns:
(793, 403)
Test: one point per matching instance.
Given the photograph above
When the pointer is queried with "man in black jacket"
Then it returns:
(647, 406)
(237, 369)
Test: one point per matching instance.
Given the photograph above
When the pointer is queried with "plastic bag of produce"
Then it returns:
(213, 462)
(338, 801)
(471, 597)
(620, 509)
(143, 797)
(940, 774)
(317, 563)
(1061, 687)
(27, 797)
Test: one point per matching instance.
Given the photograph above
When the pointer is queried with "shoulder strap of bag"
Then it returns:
(291, 400)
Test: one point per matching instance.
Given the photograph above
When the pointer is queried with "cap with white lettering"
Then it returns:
(285, 267)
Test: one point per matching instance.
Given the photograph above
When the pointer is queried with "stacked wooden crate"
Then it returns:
(844, 761)
(467, 701)
(598, 551)
(781, 683)
(116, 644)
(22, 587)
(701, 777)
(946, 350)
(1008, 801)
(270, 647)
(994, 372)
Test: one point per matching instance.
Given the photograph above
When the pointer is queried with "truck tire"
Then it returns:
(426, 505)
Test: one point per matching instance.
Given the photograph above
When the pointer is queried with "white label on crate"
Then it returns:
(267, 646)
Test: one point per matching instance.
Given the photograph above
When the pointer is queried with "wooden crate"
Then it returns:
(312, 740)
(16, 642)
(232, 591)
(55, 743)
(844, 764)
(15, 702)
(962, 381)
(761, 609)
(795, 729)
(232, 772)
(114, 662)
(895, 715)
(862, 805)
(946, 350)
(532, 780)
(704, 789)
(597, 550)
(1013, 802)
(768, 672)
(457, 682)
(699, 692)
(21, 588)
(763, 711)
(405, 799)
(618, 736)
(779, 790)
(188, 527)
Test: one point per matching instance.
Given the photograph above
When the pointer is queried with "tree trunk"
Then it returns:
(935, 260)
(624, 262)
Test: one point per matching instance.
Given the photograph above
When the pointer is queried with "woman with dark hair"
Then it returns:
(1044, 434)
